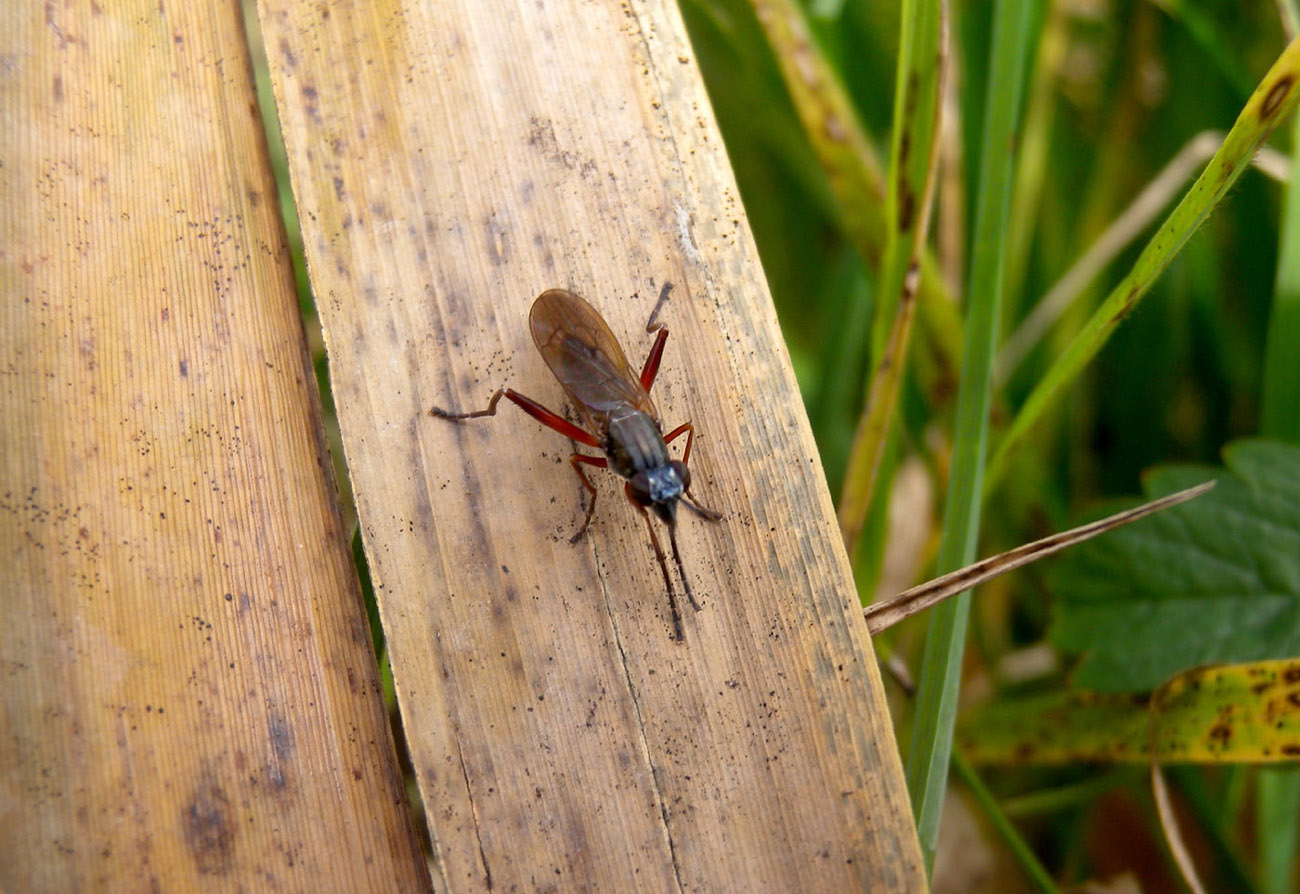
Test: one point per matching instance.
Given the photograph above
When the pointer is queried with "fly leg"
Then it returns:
(546, 417)
(695, 507)
(551, 420)
(650, 368)
(668, 580)
(577, 461)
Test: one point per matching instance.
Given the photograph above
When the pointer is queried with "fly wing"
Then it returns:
(581, 351)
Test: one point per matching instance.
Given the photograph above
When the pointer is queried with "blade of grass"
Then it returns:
(918, 101)
(1272, 100)
(1118, 236)
(884, 615)
(1121, 232)
(1279, 825)
(846, 156)
(1280, 410)
(1278, 801)
(1002, 824)
(918, 95)
(927, 765)
(1173, 831)
(831, 124)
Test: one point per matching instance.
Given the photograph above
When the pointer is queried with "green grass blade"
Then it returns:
(1280, 411)
(1275, 96)
(831, 125)
(1279, 825)
(922, 64)
(1278, 800)
(1005, 828)
(927, 765)
(857, 181)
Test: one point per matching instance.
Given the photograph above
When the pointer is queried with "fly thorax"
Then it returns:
(635, 444)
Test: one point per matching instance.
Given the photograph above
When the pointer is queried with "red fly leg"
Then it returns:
(546, 417)
(699, 510)
(577, 461)
(690, 439)
(650, 368)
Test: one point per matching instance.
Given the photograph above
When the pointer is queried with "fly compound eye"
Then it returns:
(638, 488)
(682, 473)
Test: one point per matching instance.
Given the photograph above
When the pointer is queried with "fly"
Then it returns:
(618, 417)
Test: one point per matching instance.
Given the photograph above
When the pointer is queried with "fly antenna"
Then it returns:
(702, 511)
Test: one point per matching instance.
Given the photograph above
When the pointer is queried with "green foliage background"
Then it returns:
(1113, 92)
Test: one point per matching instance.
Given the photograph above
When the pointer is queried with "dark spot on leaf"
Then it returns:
(1276, 97)
(1130, 302)
(281, 734)
(209, 829)
(906, 205)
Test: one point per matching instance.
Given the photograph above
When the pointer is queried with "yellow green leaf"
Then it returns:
(1239, 713)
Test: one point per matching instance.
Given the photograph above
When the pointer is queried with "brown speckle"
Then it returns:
(906, 205)
(1277, 95)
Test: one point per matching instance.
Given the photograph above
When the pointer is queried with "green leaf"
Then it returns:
(1215, 580)
(1243, 713)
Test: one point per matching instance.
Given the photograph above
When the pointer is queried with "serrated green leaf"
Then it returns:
(1213, 581)
(1245, 713)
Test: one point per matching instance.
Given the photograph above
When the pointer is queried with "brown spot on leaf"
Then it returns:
(906, 206)
(209, 828)
(1277, 95)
